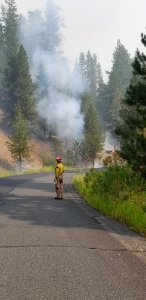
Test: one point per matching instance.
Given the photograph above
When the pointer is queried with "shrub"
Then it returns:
(117, 192)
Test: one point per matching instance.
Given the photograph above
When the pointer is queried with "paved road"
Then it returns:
(63, 249)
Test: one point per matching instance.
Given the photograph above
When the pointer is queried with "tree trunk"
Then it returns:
(20, 164)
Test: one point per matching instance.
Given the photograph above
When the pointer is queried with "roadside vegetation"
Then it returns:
(120, 191)
(5, 173)
(45, 169)
(117, 192)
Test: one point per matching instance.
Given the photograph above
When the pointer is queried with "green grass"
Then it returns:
(5, 173)
(45, 170)
(38, 170)
(117, 193)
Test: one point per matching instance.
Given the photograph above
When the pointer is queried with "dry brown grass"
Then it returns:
(39, 147)
(5, 157)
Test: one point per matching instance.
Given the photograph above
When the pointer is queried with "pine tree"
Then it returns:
(82, 66)
(10, 31)
(46, 34)
(92, 141)
(10, 20)
(2, 66)
(90, 71)
(19, 142)
(103, 107)
(92, 75)
(2, 54)
(118, 81)
(53, 23)
(44, 40)
(100, 80)
(31, 39)
(42, 82)
(42, 91)
(24, 88)
(132, 130)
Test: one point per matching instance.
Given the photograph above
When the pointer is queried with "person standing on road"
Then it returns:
(59, 170)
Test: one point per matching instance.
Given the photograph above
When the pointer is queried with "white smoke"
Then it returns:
(111, 143)
(61, 105)
(65, 112)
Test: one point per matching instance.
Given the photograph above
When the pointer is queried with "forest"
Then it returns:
(75, 110)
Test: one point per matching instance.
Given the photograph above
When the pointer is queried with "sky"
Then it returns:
(96, 25)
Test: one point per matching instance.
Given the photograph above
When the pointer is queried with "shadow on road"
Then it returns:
(47, 212)
(42, 209)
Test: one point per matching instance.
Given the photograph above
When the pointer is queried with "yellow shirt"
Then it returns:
(59, 169)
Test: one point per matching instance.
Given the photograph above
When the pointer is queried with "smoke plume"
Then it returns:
(58, 89)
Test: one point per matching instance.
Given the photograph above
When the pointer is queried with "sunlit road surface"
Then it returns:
(63, 249)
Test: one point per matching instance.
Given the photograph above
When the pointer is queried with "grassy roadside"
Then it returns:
(117, 193)
(6, 173)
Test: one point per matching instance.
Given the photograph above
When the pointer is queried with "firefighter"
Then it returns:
(59, 169)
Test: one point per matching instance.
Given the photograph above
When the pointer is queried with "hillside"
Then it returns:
(40, 148)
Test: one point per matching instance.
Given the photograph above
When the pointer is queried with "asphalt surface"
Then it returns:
(63, 249)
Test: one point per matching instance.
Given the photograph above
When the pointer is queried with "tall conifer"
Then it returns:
(19, 142)
(10, 21)
(24, 88)
(118, 81)
(92, 141)
(132, 130)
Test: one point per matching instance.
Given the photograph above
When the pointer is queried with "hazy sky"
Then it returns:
(96, 25)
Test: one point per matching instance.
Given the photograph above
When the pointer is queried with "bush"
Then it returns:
(46, 160)
(117, 192)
